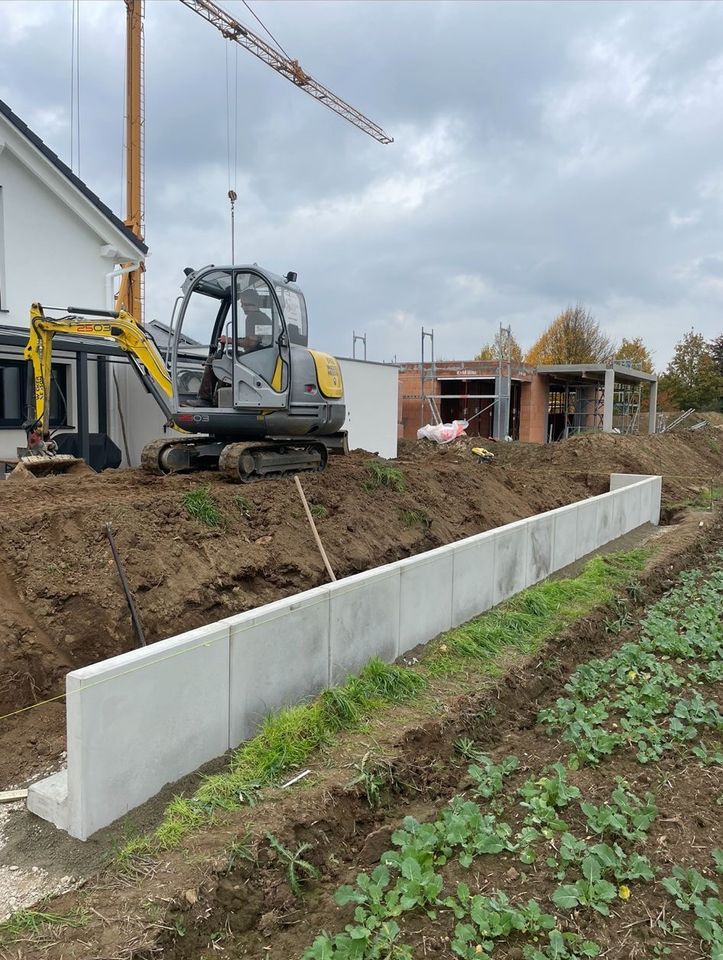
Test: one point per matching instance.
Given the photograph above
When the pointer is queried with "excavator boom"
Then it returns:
(123, 330)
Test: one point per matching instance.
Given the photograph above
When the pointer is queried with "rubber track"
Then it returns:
(230, 458)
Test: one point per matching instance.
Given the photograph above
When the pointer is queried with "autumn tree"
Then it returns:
(716, 349)
(499, 348)
(636, 352)
(693, 378)
(574, 336)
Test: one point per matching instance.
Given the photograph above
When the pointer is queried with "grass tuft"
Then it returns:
(382, 475)
(415, 518)
(202, 507)
(533, 616)
(28, 923)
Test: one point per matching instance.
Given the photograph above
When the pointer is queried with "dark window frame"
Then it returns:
(59, 411)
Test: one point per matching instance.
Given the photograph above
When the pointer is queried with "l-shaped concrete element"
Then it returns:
(146, 718)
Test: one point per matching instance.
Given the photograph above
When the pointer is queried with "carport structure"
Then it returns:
(586, 397)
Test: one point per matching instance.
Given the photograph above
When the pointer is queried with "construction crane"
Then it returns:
(130, 294)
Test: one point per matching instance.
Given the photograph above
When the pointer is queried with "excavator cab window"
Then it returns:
(258, 329)
(257, 319)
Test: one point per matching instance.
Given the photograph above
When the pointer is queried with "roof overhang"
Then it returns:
(596, 371)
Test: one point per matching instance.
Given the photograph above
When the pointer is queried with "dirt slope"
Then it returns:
(62, 602)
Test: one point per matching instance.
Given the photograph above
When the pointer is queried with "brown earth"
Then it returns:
(64, 607)
(203, 900)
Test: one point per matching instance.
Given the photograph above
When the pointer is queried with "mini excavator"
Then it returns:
(238, 380)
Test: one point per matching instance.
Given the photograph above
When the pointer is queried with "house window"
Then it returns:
(13, 394)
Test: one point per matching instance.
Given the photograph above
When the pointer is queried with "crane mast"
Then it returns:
(130, 294)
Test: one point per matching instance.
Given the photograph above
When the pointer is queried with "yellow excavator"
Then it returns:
(238, 379)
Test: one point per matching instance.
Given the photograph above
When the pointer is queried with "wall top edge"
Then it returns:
(161, 650)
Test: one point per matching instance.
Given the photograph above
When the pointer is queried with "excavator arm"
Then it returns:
(120, 327)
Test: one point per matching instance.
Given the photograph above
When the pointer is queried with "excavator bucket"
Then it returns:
(43, 466)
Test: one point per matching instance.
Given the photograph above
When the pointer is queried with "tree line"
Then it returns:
(693, 378)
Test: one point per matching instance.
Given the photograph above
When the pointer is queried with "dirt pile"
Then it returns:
(63, 606)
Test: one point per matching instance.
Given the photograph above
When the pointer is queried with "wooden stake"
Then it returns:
(309, 517)
(11, 796)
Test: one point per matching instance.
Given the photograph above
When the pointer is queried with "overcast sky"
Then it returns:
(544, 153)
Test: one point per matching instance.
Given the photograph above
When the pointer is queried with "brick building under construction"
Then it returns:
(534, 404)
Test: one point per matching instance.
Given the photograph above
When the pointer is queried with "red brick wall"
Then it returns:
(533, 409)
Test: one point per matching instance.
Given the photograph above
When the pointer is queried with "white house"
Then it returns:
(62, 246)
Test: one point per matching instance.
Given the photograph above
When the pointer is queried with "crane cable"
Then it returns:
(264, 27)
(232, 181)
(75, 88)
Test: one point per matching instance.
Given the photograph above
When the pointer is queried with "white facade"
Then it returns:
(371, 392)
(61, 246)
(57, 247)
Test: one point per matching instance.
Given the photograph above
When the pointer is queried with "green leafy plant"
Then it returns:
(686, 885)
(590, 891)
(374, 940)
(463, 827)
(493, 918)
(295, 864)
(562, 946)
(318, 511)
(242, 505)
(489, 776)
(624, 815)
(202, 507)
(544, 796)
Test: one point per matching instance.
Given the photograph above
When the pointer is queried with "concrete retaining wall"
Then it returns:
(146, 718)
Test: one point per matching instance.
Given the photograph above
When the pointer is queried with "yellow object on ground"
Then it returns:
(482, 454)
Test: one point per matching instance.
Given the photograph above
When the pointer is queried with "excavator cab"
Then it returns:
(236, 316)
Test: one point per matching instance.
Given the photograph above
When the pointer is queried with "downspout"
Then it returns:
(110, 305)
(109, 277)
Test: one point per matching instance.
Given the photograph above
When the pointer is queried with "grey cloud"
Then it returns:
(546, 152)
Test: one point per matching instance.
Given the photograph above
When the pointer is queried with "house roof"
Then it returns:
(65, 170)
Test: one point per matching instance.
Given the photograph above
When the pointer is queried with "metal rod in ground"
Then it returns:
(126, 588)
(309, 517)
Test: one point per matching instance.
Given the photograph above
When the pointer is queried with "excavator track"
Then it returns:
(155, 455)
(255, 460)
(151, 456)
